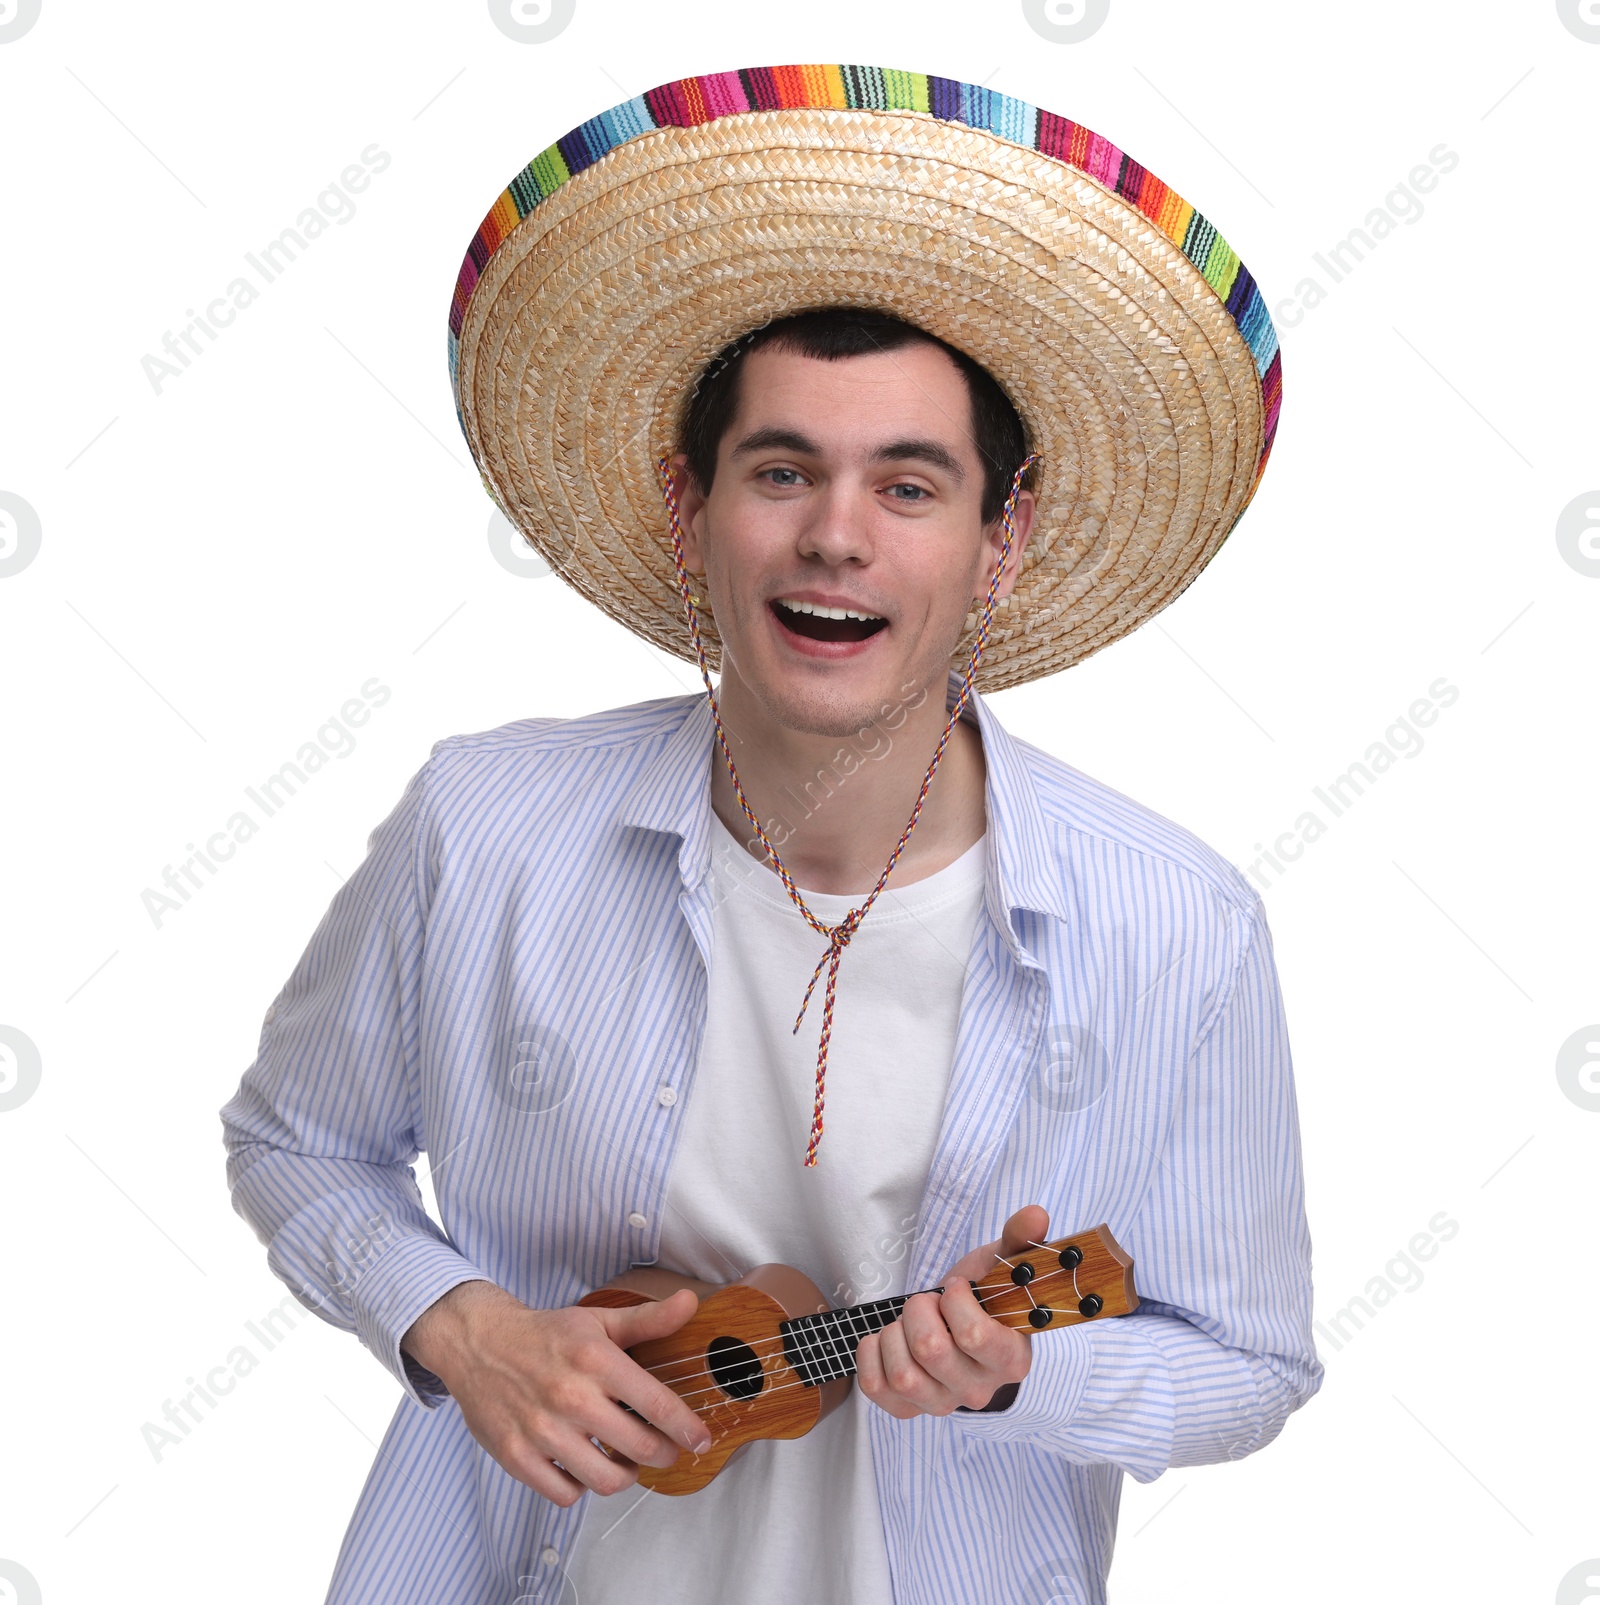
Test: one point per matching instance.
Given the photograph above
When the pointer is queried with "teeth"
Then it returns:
(825, 612)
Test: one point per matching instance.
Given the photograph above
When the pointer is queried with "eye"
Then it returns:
(787, 482)
(922, 493)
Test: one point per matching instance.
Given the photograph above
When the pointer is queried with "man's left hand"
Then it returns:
(944, 1350)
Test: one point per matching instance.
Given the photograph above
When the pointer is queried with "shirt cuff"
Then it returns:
(1047, 1397)
(412, 1275)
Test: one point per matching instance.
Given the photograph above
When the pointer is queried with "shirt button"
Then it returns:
(549, 1556)
(667, 1096)
(637, 1220)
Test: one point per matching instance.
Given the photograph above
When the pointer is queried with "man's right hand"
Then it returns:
(535, 1385)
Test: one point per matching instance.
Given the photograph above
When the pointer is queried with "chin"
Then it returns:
(842, 704)
(833, 718)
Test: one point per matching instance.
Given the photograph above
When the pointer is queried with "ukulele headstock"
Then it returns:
(1084, 1277)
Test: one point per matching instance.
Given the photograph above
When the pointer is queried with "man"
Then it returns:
(567, 968)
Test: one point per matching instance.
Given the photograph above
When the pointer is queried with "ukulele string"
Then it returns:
(766, 1346)
(769, 1348)
(1027, 1286)
(784, 1387)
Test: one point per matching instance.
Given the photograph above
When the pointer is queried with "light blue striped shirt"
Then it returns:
(519, 967)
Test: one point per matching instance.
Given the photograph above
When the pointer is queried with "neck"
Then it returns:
(835, 797)
(822, 1347)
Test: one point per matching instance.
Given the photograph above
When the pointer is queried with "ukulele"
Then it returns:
(766, 1357)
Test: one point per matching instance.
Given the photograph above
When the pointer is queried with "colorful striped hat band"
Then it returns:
(1126, 332)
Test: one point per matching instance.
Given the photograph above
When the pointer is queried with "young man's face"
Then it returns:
(854, 484)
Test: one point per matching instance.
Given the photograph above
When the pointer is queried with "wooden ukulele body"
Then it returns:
(744, 1314)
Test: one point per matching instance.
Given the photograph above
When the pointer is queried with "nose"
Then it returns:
(840, 526)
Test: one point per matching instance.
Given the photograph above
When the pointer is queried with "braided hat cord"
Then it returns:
(838, 935)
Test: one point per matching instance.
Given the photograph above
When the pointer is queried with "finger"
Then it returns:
(1026, 1228)
(1002, 1354)
(873, 1383)
(542, 1475)
(590, 1465)
(970, 1325)
(934, 1348)
(628, 1435)
(633, 1323)
(907, 1375)
(624, 1379)
(976, 1265)
(632, 1385)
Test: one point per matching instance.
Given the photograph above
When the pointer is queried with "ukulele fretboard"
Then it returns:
(822, 1347)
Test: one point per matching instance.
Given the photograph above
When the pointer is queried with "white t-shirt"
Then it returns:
(797, 1519)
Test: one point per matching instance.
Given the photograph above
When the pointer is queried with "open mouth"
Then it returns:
(825, 623)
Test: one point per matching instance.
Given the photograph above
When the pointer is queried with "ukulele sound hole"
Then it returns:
(735, 1368)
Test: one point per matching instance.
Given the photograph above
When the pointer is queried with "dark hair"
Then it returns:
(846, 331)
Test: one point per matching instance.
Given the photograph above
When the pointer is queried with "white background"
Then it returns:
(223, 564)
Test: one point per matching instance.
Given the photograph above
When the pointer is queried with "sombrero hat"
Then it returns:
(1127, 333)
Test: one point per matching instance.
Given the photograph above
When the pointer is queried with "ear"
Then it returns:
(994, 536)
(691, 514)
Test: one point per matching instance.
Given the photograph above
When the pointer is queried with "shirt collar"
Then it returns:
(673, 795)
(673, 791)
(1027, 870)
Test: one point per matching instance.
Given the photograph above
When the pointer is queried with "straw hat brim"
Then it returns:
(1149, 393)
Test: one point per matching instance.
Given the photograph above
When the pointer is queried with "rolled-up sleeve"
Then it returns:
(1219, 1352)
(323, 1132)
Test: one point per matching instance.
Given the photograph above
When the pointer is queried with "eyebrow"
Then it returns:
(918, 450)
